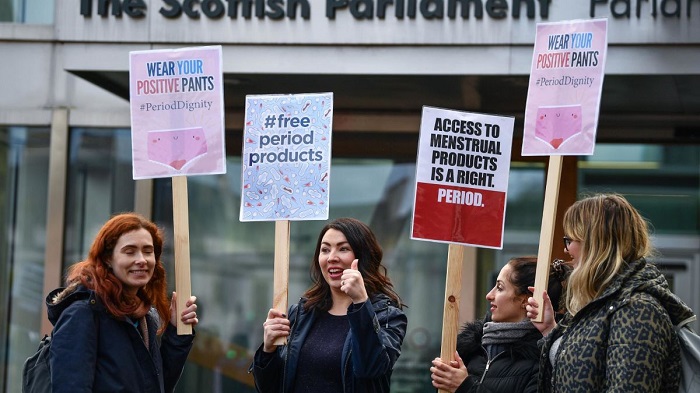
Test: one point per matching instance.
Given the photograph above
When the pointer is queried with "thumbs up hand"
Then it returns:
(353, 285)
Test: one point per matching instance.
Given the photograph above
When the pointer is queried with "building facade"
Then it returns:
(65, 147)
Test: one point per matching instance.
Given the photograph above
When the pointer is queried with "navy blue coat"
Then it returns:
(92, 351)
(371, 348)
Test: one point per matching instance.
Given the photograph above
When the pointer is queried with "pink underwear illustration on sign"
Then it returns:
(556, 124)
(176, 148)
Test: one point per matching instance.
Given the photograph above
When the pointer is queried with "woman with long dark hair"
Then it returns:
(346, 332)
(499, 354)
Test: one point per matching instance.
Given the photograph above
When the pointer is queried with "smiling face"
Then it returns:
(133, 259)
(506, 305)
(335, 256)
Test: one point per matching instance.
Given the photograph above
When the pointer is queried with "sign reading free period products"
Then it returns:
(177, 112)
(462, 177)
(286, 157)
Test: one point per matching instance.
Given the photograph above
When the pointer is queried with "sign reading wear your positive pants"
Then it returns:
(566, 82)
(177, 112)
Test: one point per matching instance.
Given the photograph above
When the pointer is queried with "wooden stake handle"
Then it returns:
(549, 214)
(450, 318)
(281, 273)
(181, 229)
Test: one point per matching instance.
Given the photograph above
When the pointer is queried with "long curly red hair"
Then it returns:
(94, 273)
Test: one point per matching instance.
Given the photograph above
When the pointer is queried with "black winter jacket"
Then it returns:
(513, 371)
(91, 351)
(372, 346)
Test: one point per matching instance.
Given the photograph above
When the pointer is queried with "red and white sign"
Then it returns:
(462, 177)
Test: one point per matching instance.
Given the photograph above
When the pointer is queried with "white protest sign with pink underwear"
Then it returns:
(566, 81)
(177, 112)
(286, 157)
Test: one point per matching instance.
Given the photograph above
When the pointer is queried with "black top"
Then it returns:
(319, 368)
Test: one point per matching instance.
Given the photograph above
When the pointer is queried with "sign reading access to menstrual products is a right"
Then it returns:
(462, 177)
(566, 80)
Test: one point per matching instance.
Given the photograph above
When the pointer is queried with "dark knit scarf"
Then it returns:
(506, 332)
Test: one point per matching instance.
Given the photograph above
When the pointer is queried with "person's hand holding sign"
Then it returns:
(276, 325)
(533, 310)
(325, 321)
(353, 285)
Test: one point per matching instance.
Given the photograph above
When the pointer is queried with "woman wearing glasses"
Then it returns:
(618, 332)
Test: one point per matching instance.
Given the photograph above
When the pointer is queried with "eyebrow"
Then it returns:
(340, 244)
(126, 246)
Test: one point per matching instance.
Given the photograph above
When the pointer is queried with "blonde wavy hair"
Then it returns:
(612, 234)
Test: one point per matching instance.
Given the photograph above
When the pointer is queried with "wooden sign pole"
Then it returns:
(549, 214)
(181, 229)
(281, 274)
(450, 317)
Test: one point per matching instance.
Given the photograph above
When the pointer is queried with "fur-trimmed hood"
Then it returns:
(60, 298)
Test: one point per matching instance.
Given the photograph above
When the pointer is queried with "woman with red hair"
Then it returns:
(107, 318)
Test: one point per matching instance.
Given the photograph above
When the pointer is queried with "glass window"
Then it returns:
(27, 11)
(232, 263)
(24, 164)
(662, 181)
(99, 184)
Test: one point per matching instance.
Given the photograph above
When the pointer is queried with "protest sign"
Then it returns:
(566, 81)
(561, 114)
(461, 183)
(462, 177)
(286, 157)
(177, 129)
(286, 169)
(177, 112)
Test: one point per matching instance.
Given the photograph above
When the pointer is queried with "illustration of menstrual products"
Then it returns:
(556, 124)
(176, 148)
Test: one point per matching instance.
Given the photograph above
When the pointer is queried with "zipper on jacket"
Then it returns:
(388, 304)
(286, 353)
(488, 364)
(345, 369)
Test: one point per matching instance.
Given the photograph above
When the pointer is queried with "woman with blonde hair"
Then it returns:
(618, 333)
